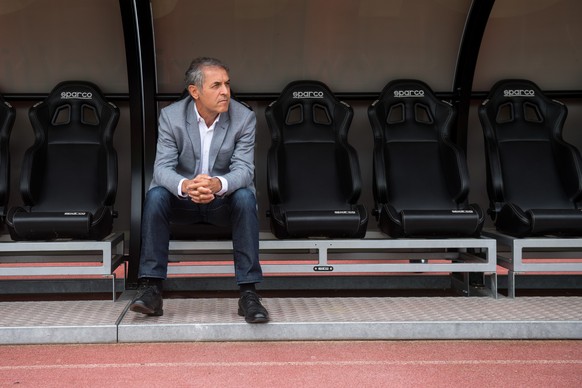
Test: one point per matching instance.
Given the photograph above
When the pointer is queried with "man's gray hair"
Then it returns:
(195, 74)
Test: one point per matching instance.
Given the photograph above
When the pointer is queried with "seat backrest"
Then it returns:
(416, 166)
(72, 164)
(310, 164)
(7, 116)
(528, 162)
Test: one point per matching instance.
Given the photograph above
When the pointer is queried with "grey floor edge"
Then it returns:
(295, 319)
(52, 322)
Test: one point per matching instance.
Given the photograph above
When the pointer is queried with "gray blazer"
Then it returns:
(231, 150)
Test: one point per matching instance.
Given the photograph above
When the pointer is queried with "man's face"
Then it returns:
(214, 96)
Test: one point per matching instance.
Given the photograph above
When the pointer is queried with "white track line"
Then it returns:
(290, 363)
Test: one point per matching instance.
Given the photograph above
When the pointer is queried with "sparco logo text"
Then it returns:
(308, 94)
(518, 93)
(408, 93)
(80, 95)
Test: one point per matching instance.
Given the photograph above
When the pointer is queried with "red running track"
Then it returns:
(296, 364)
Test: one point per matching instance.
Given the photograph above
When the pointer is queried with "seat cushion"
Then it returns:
(536, 222)
(84, 225)
(45, 225)
(465, 222)
(335, 223)
(341, 223)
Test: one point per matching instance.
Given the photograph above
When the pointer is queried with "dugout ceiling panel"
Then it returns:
(539, 40)
(45, 42)
(354, 45)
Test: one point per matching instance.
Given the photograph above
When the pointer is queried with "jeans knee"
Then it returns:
(243, 198)
(158, 198)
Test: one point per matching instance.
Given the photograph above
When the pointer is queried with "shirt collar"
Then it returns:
(201, 120)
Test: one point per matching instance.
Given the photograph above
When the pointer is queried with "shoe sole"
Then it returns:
(253, 320)
(141, 308)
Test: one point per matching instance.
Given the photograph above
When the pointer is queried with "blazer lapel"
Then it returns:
(218, 138)
(193, 133)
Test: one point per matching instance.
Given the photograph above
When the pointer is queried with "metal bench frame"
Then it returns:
(512, 251)
(63, 257)
(374, 254)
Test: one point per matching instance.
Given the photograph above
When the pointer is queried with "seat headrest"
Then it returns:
(308, 111)
(75, 92)
(408, 90)
(7, 116)
(80, 112)
(515, 90)
(306, 92)
(515, 101)
(411, 106)
(4, 105)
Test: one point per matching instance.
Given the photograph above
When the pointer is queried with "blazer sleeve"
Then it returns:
(242, 166)
(167, 156)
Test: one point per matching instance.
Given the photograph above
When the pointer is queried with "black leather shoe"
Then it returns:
(250, 307)
(148, 299)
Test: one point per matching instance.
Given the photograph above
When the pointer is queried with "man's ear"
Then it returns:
(193, 91)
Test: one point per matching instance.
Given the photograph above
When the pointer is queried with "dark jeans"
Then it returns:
(239, 209)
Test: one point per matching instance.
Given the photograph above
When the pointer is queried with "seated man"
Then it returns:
(204, 168)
